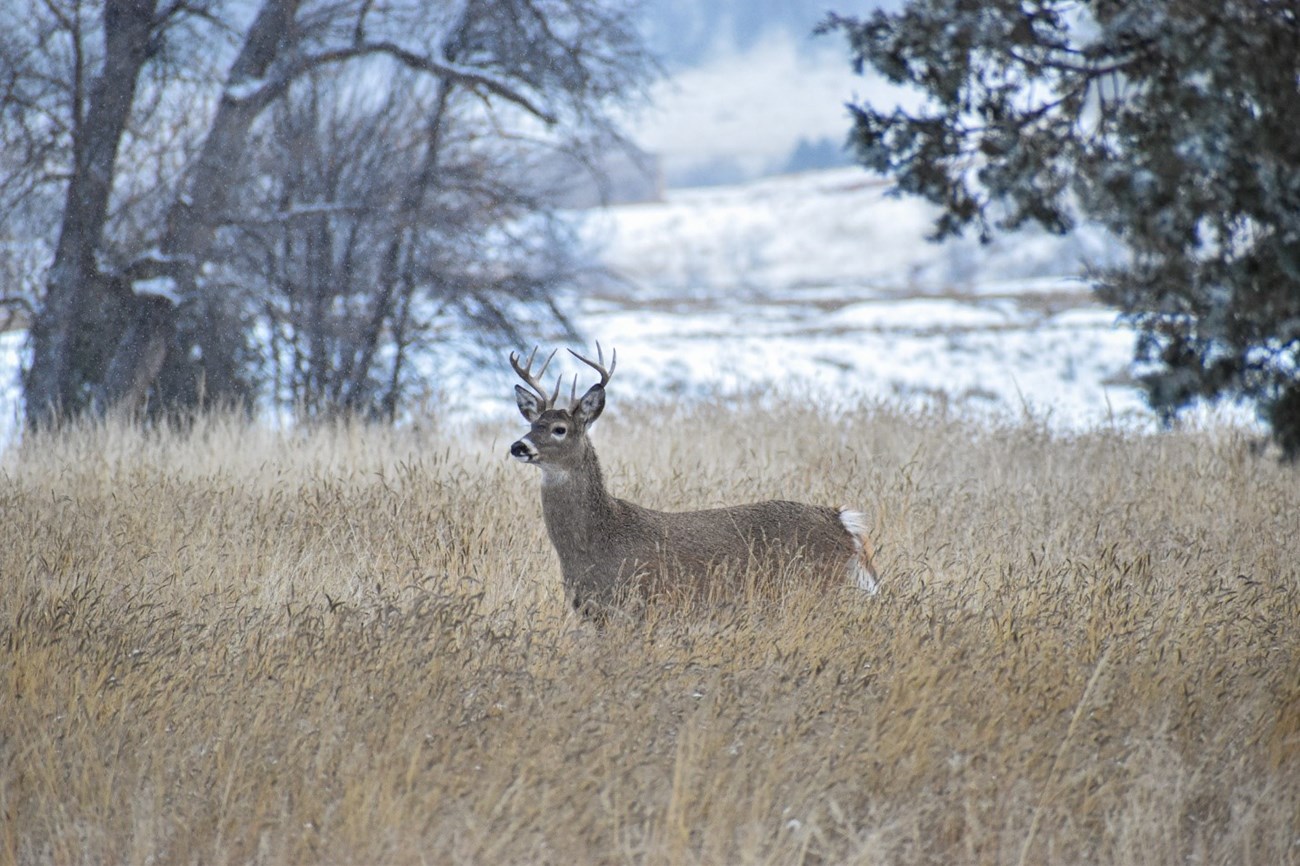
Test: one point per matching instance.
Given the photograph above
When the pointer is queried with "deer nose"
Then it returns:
(523, 450)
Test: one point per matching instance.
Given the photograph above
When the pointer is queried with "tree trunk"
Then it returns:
(139, 356)
(76, 287)
(213, 327)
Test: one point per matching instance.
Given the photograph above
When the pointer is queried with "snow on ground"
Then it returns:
(830, 230)
(823, 282)
(820, 284)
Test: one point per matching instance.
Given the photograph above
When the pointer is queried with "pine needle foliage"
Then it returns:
(1168, 122)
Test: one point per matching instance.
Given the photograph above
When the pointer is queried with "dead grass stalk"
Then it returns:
(349, 645)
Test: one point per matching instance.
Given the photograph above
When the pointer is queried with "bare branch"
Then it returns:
(265, 91)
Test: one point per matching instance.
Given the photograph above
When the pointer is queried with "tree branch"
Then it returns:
(265, 91)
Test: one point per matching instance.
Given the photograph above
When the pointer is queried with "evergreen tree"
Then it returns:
(1173, 123)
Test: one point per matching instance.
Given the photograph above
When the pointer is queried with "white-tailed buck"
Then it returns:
(609, 547)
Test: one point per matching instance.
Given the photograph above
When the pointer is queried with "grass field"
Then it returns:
(350, 646)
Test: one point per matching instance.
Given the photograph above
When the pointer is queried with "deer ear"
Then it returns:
(591, 404)
(529, 404)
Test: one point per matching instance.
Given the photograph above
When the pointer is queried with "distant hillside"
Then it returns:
(751, 91)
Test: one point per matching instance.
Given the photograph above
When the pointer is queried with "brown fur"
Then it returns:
(610, 548)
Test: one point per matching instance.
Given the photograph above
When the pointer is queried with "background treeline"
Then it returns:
(286, 197)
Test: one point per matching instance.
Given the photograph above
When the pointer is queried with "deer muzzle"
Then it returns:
(524, 451)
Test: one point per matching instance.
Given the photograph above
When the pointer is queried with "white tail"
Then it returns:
(608, 547)
(862, 569)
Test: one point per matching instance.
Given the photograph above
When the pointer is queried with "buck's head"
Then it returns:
(558, 436)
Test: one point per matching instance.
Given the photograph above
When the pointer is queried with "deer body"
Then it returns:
(609, 547)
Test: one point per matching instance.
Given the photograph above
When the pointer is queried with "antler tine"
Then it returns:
(534, 381)
(555, 395)
(599, 364)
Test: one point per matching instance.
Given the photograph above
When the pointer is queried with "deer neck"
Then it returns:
(575, 502)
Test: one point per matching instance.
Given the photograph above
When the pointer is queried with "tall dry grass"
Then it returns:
(349, 645)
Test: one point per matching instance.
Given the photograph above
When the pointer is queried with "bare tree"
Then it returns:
(391, 216)
(189, 213)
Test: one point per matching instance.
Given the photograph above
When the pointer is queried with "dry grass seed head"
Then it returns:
(349, 644)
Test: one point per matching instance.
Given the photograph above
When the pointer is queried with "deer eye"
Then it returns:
(559, 430)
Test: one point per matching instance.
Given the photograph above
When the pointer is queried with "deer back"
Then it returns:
(698, 541)
(626, 549)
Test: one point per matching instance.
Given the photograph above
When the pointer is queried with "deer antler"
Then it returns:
(534, 381)
(599, 364)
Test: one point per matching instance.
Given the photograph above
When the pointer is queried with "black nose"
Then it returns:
(519, 449)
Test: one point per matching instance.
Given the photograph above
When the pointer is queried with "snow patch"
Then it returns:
(12, 355)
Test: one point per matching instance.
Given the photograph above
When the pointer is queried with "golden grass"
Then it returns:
(350, 646)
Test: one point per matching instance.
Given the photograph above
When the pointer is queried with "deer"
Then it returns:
(611, 550)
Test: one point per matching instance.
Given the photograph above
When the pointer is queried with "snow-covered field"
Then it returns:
(822, 283)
